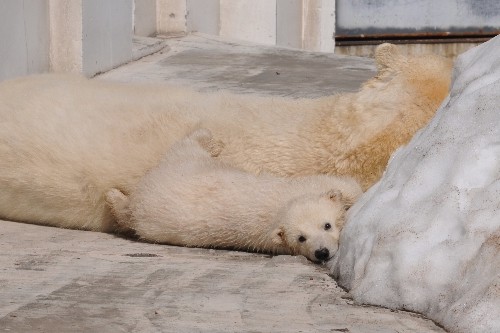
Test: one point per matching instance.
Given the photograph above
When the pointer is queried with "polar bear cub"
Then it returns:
(193, 199)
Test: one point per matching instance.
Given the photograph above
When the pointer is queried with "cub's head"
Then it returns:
(311, 224)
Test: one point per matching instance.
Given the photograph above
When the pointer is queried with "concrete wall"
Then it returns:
(203, 16)
(319, 25)
(88, 36)
(304, 24)
(171, 17)
(91, 36)
(24, 37)
(66, 36)
(145, 18)
(449, 50)
(107, 34)
(249, 20)
(289, 23)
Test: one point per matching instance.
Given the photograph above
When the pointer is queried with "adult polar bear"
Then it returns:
(65, 141)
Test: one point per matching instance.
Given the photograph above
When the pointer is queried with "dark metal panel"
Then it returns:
(417, 19)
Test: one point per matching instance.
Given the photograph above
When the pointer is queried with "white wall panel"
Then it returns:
(24, 37)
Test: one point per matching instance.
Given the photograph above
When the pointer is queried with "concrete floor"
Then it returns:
(56, 280)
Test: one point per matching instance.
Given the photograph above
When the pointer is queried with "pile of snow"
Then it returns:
(426, 238)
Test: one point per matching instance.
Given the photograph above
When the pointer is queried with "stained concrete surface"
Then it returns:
(57, 280)
(209, 64)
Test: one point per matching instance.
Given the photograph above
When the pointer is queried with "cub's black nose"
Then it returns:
(322, 254)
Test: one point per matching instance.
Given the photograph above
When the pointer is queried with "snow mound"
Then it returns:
(426, 238)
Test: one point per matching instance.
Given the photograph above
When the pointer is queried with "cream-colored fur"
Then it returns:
(191, 199)
(65, 140)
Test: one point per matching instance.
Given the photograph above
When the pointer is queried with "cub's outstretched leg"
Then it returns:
(191, 150)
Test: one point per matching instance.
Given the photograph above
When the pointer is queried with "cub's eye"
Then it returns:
(328, 226)
(302, 239)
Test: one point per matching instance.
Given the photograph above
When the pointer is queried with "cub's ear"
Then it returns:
(336, 196)
(278, 236)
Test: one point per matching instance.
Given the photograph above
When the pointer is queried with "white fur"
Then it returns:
(192, 199)
(65, 141)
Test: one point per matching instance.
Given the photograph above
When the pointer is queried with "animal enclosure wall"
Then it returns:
(24, 37)
(446, 27)
(92, 36)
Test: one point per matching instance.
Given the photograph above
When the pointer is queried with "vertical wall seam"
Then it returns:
(26, 39)
(302, 24)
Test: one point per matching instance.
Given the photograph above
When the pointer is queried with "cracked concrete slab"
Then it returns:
(57, 280)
